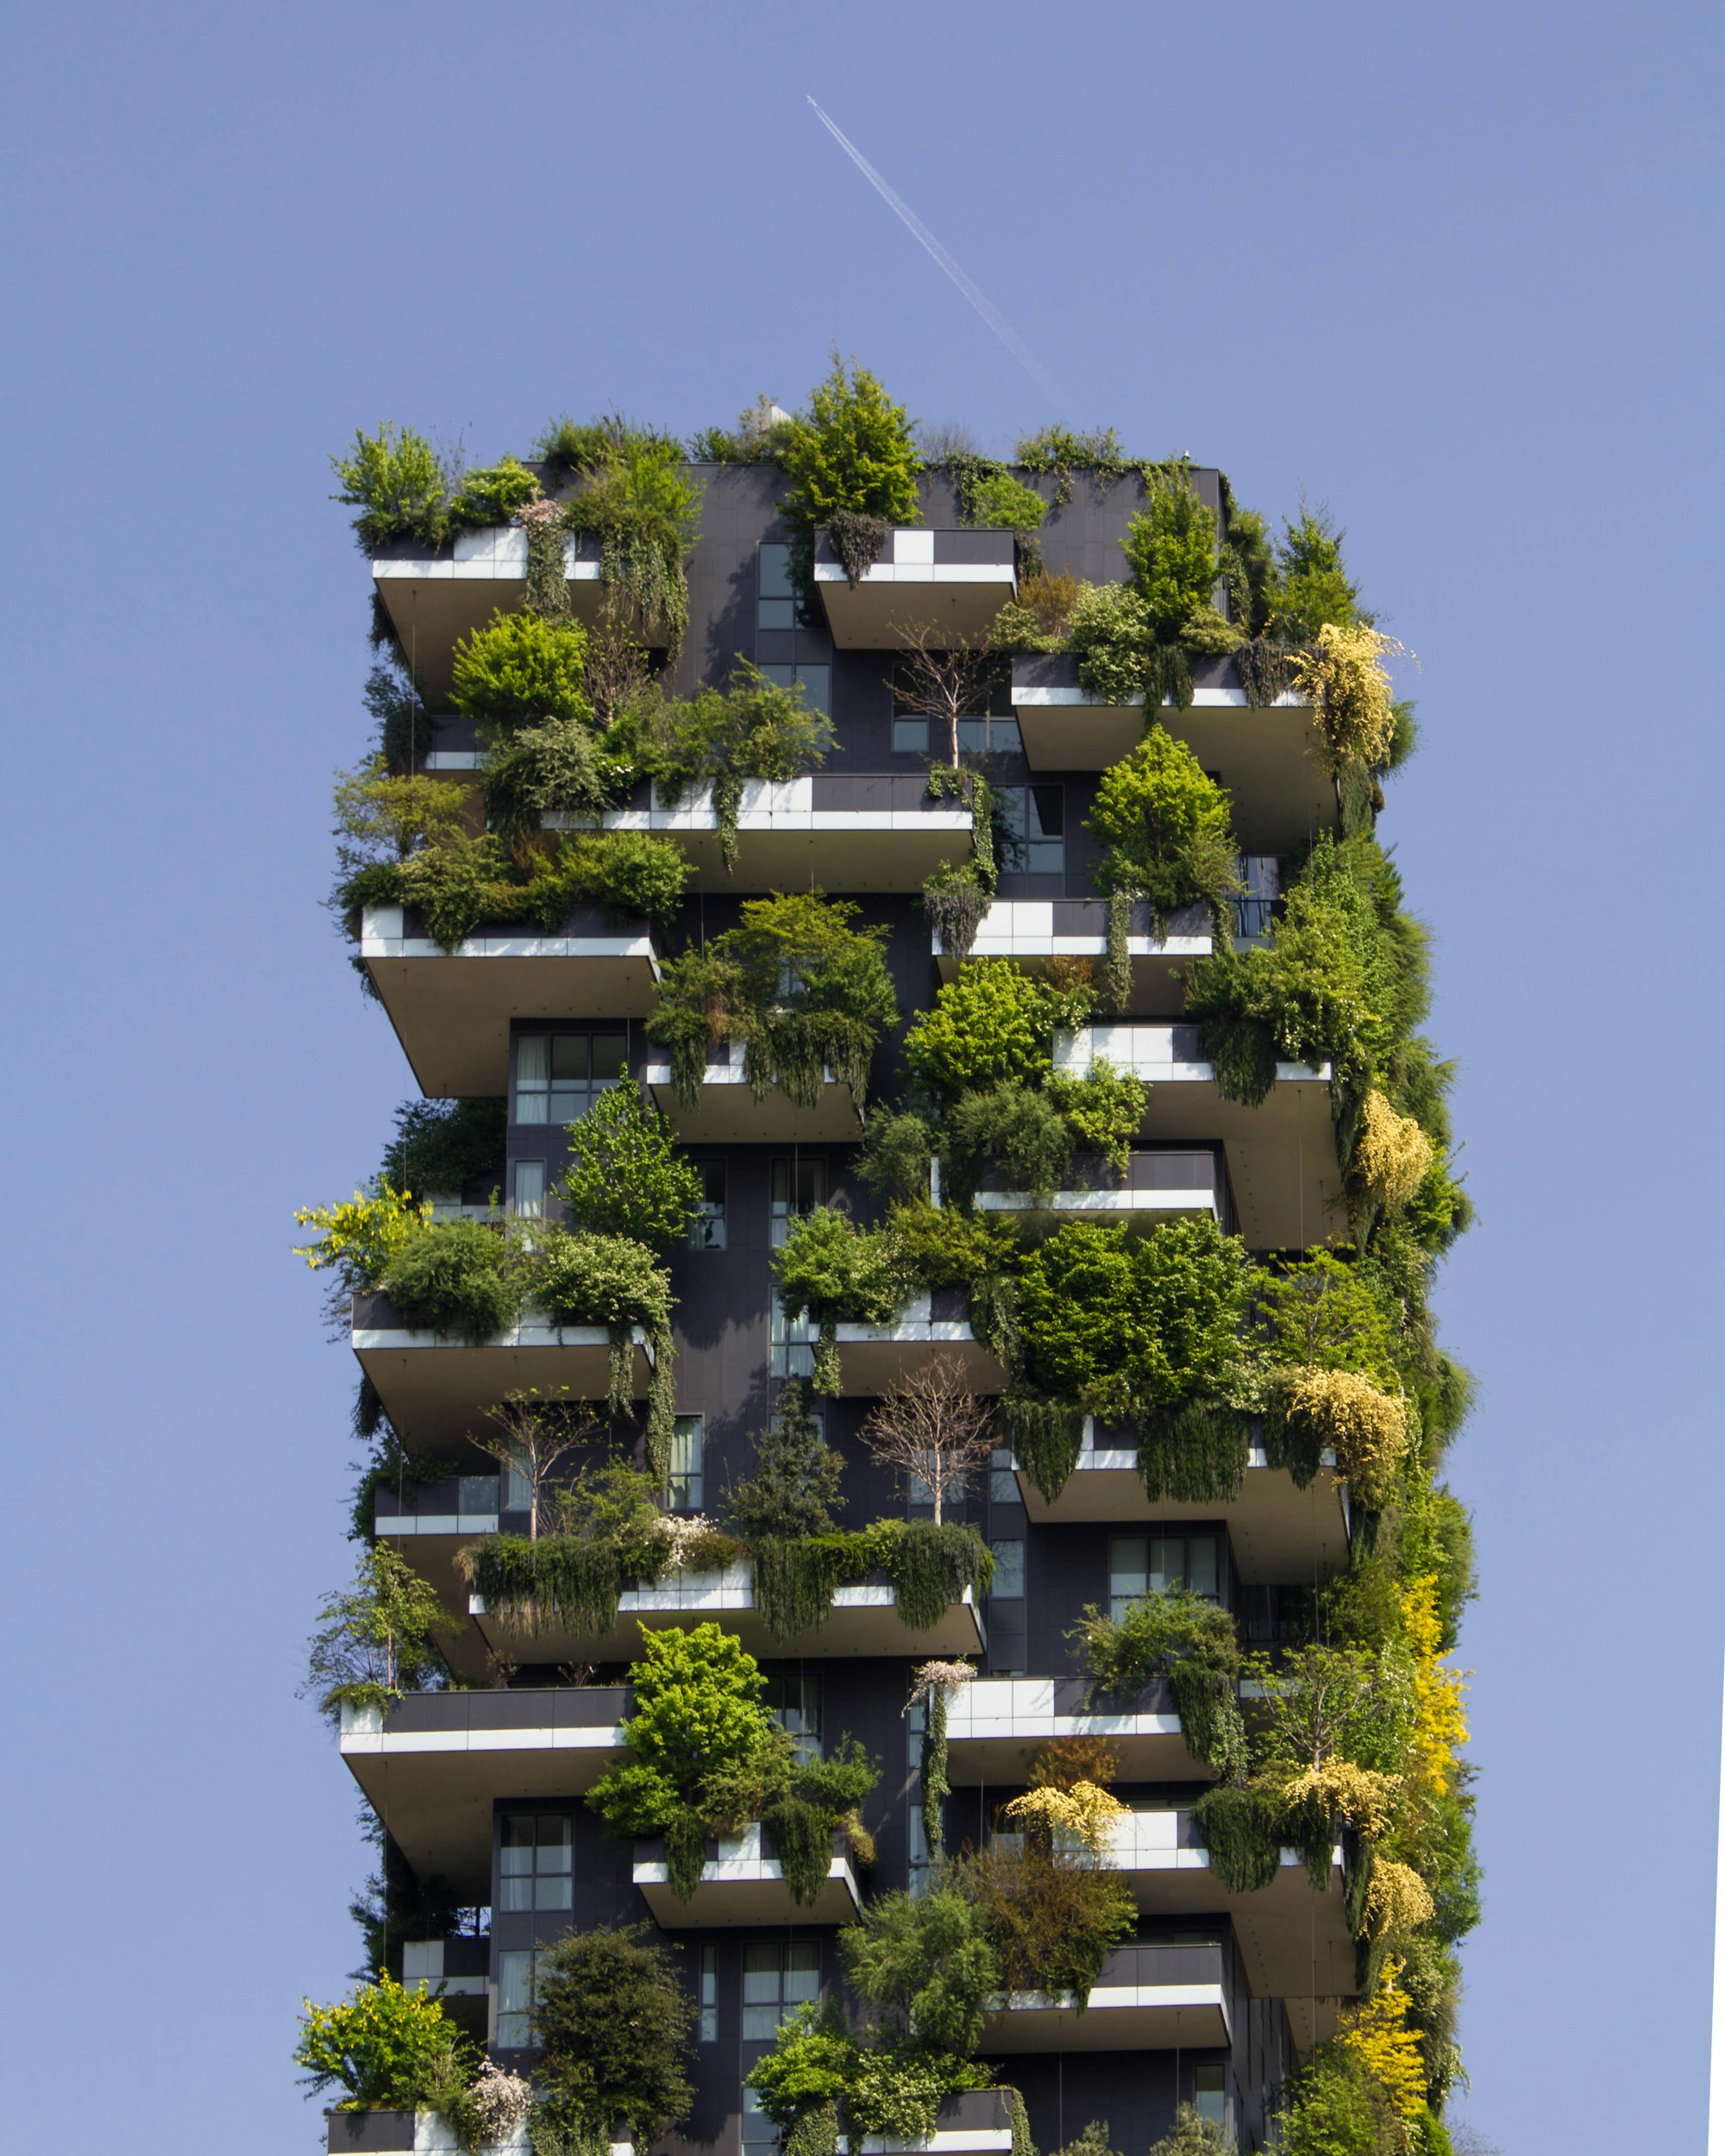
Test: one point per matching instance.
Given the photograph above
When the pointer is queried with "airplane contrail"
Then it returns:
(984, 307)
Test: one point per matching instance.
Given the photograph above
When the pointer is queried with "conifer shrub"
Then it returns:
(989, 1026)
(1170, 549)
(1166, 825)
(626, 1176)
(796, 1479)
(613, 2017)
(456, 1278)
(491, 495)
(521, 670)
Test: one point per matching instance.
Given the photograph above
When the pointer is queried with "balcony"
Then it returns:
(1281, 1171)
(451, 1009)
(1268, 758)
(1031, 931)
(1155, 1186)
(435, 1390)
(995, 1723)
(953, 582)
(864, 1620)
(1148, 1997)
(417, 2134)
(1293, 1939)
(434, 600)
(726, 1112)
(978, 2122)
(1278, 1532)
(838, 831)
(873, 1359)
(740, 1883)
(433, 1765)
(459, 1971)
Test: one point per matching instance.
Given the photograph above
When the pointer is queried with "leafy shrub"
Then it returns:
(1110, 633)
(457, 1279)
(1172, 549)
(940, 1247)
(491, 495)
(638, 501)
(894, 1158)
(1050, 1920)
(1343, 674)
(1310, 591)
(612, 1280)
(518, 670)
(625, 1175)
(811, 2063)
(442, 1145)
(925, 1965)
(999, 503)
(358, 1240)
(1368, 1428)
(1105, 1109)
(380, 817)
(1165, 824)
(455, 885)
(1392, 1156)
(630, 873)
(837, 1272)
(378, 1639)
(956, 903)
(989, 1025)
(1128, 1324)
(753, 728)
(1191, 2134)
(398, 482)
(541, 770)
(391, 2049)
(616, 2025)
(1122, 1654)
(1020, 1129)
(1324, 1311)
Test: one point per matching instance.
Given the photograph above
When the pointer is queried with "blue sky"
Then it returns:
(1454, 271)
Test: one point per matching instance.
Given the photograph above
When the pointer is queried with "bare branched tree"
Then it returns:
(943, 676)
(533, 1431)
(933, 1430)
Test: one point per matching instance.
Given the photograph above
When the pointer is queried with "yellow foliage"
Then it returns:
(1343, 673)
(1063, 1762)
(364, 1236)
(1368, 1428)
(1391, 1154)
(1397, 1900)
(1440, 1723)
(1377, 2033)
(1359, 1796)
(1086, 1813)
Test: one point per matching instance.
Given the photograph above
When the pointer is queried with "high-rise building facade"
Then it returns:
(932, 1019)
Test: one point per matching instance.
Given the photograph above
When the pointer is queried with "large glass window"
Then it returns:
(1008, 1585)
(1034, 821)
(686, 1483)
(528, 1190)
(707, 1228)
(1140, 1565)
(709, 1999)
(995, 733)
(1210, 2094)
(515, 1976)
(559, 1076)
(535, 1863)
(798, 1186)
(794, 1703)
(815, 681)
(776, 1979)
(775, 601)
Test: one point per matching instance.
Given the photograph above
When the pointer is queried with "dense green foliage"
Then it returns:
(612, 2014)
(625, 1175)
(456, 1280)
(521, 670)
(440, 1146)
(851, 455)
(397, 481)
(388, 2048)
(1165, 824)
(796, 1479)
(990, 1025)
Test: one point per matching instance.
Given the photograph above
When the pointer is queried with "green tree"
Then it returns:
(457, 1279)
(625, 1175)
(521, 670)
(853, 450)
(376, 1640)
(1312, 590)
(616, 2026)
(398, 482)
(926, 1965)
(1321, 1312)
(491, 495)
(442, 1145)
(991, 1024)
(1165, 823)
(391, 2049)
(1191, 2134)
(797, 1475)
(1172, 549)
(812, 2062)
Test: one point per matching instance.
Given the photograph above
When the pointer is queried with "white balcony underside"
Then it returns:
(1119, 2017)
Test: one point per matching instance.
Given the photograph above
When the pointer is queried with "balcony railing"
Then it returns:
(741, 1882)
(1151, 1997)
(1153, 1186)
(954, 582)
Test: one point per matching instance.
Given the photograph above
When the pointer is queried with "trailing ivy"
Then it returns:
(1243, 1830)
(1047, 1437)
(1194, 1454)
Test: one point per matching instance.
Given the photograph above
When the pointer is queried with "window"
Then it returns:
(1034, 821)
(1260, 876)
(559, 1076)
(798, 1188)
(1009, 1571)
(816, 682)
(709, 1998)
(535, 1863)
(776, 1979)
(527, 1190)
(516, 1973)
(687, 1479)
(776, 600)
(759, 2132)
(794, 1703)
(1210, 2094)
(995, 734)
(1003, 1484)
(706, 1229)
(1161, 1564)
(910, 734)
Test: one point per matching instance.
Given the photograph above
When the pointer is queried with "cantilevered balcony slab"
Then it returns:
(435, 1390)
(434, 1764)
(1279, 1532)
(977, 2122)
(1282, 1175)
(1148, 1997)
(1267, 758)
(1155, 1186)
(434, 599)
(834, 830)
(1031, 931)
(954, 583)
(1292, 1937)
(742, 1882)
(864, 1620)
(993, 1723)
(451, 1009)
(873, 1359)
(418, 2134)
(726, 1112)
